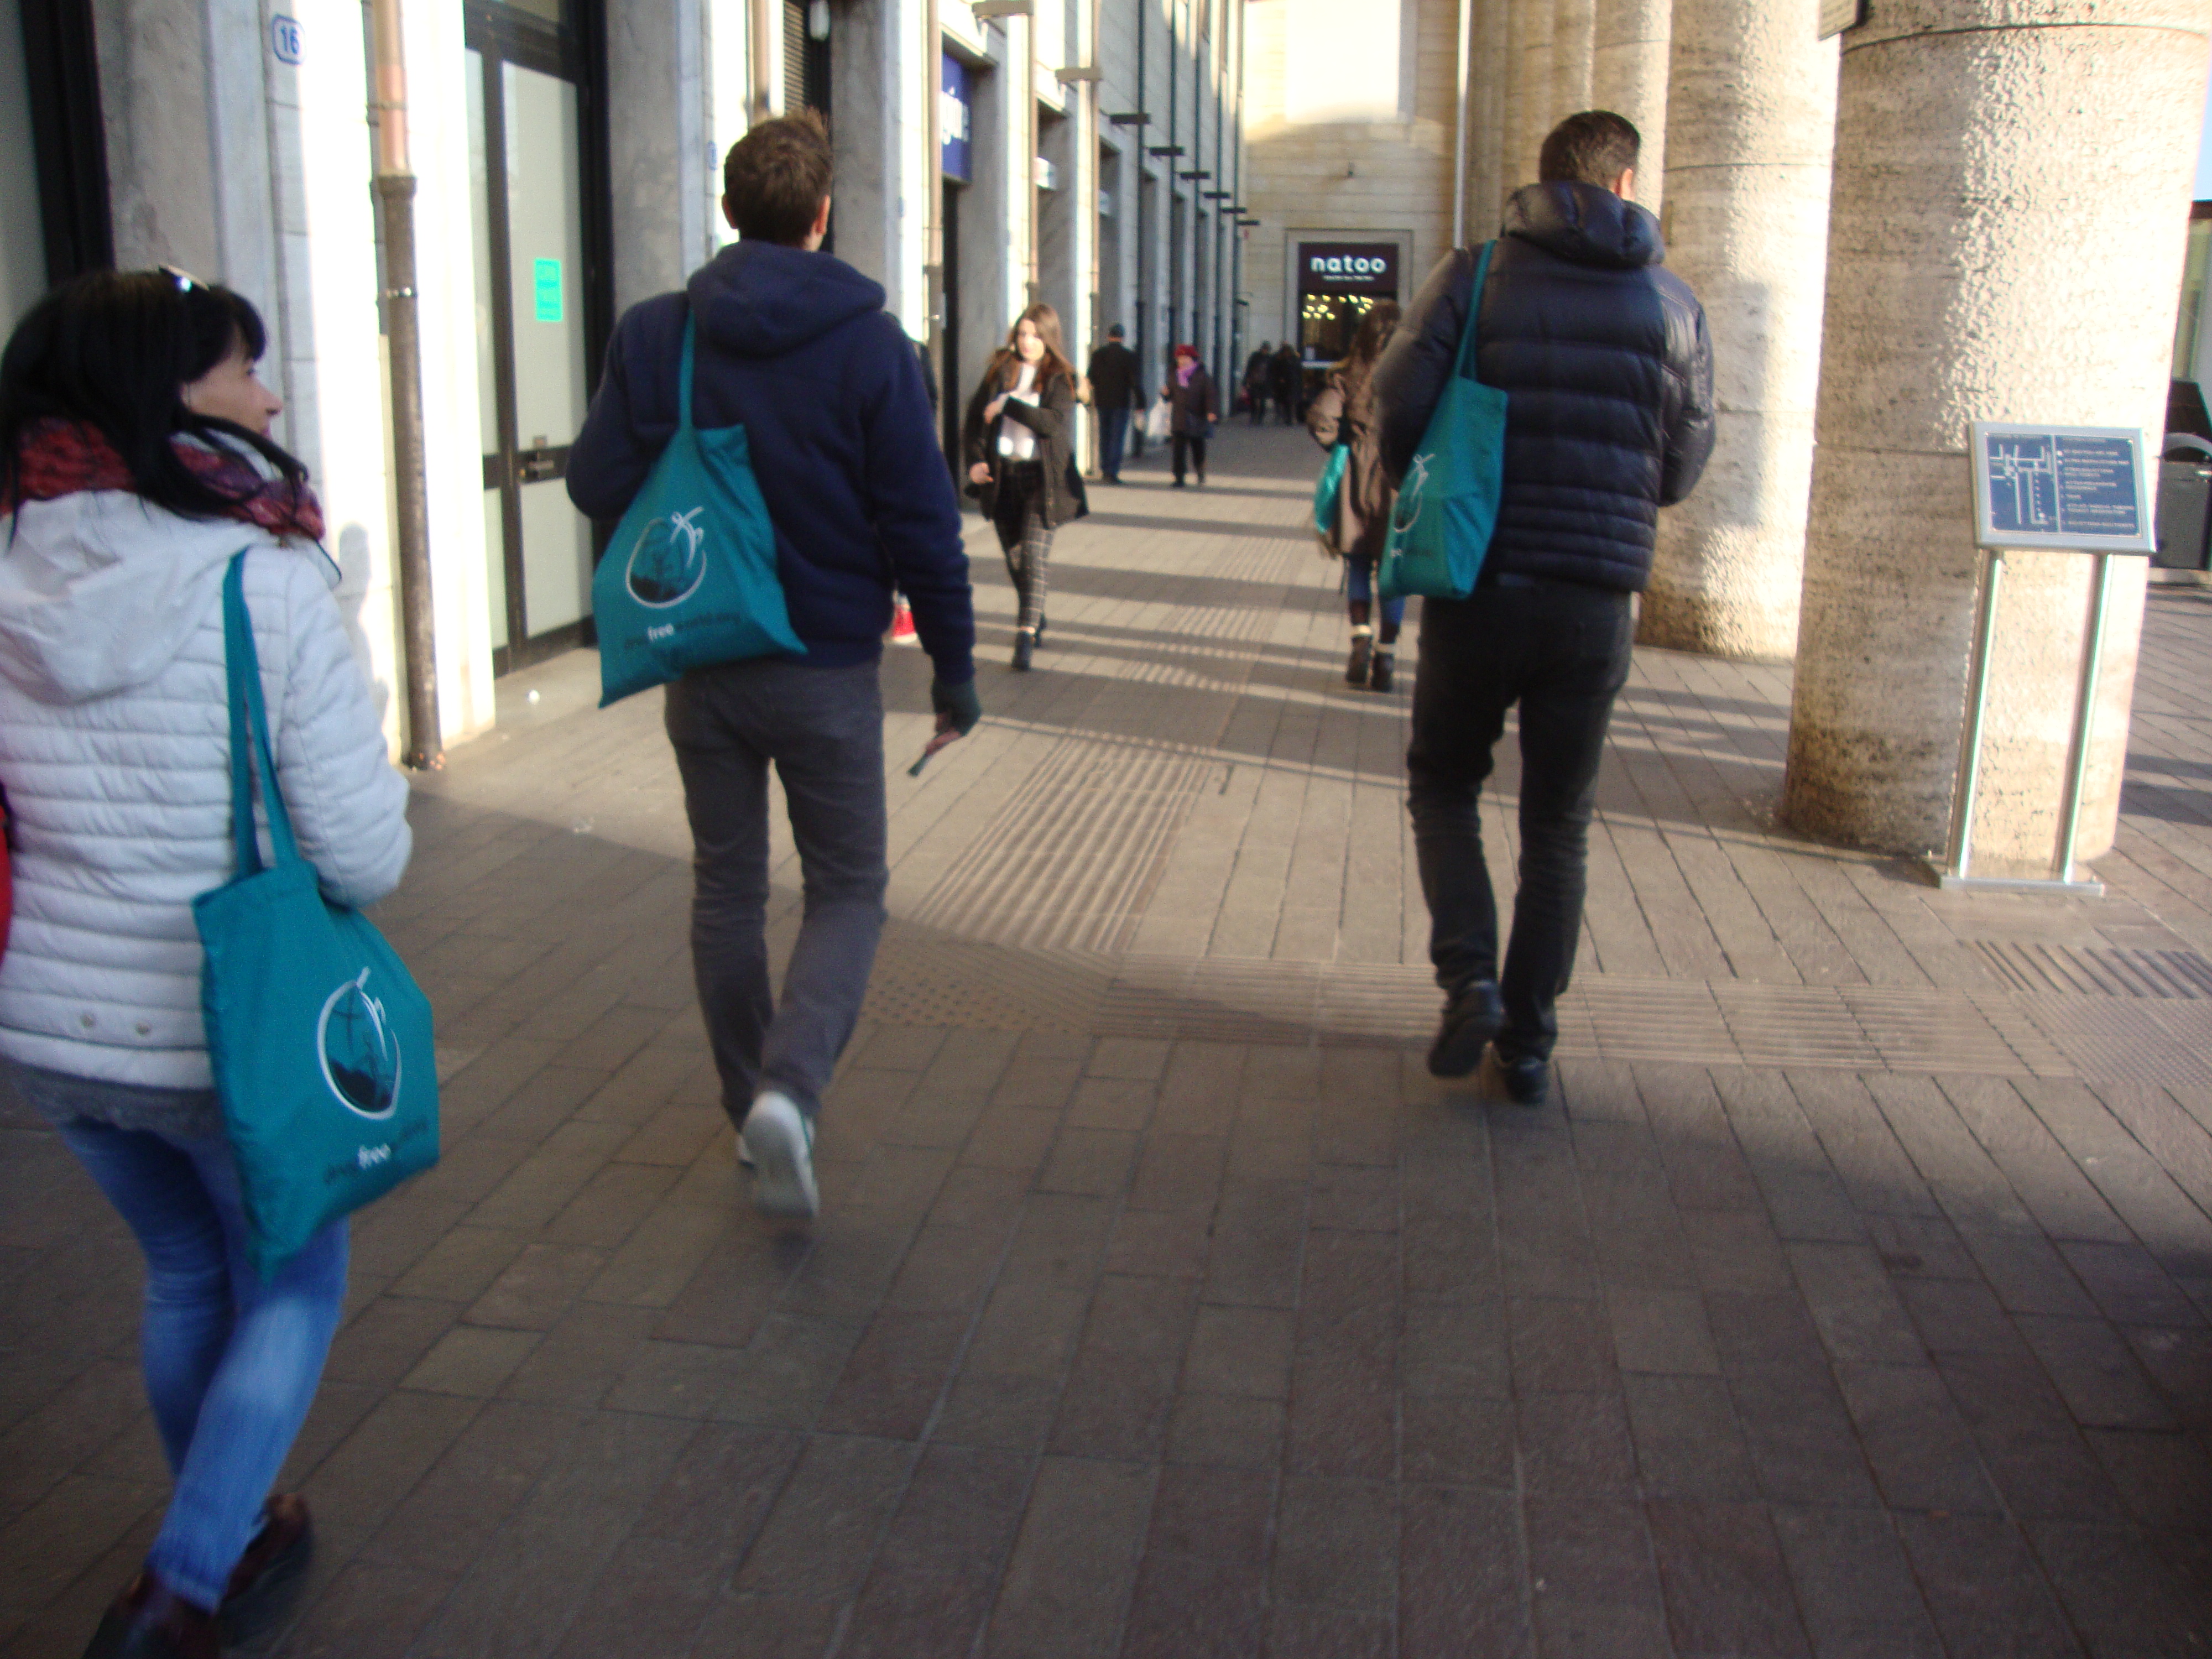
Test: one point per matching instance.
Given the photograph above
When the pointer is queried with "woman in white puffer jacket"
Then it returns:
(133, 463)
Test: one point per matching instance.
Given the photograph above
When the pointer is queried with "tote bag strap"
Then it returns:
(683, 381)
(249, 734)
(1465, 367)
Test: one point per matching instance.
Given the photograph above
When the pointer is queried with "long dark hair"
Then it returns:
(1372, 335)
(116, 350)
(1006, 365)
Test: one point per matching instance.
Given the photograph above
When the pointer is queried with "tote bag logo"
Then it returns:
(668, 560)
(361, 1055)
(1408, 509)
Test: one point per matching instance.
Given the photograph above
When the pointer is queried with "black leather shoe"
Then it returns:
(1379, 677)
(149, 1621)
(1471, 1018)
(1528, 1080)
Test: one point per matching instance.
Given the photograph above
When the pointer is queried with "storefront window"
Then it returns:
(1338, 283)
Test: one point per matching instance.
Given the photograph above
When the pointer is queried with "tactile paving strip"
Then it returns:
(2107, 971)
(924, 982)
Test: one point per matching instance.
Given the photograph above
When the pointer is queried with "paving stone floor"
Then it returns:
(1850, 1299)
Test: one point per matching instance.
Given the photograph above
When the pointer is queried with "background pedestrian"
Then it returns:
(1016, 442)
(1193, 407)
(1344, 413)
(1113, 375)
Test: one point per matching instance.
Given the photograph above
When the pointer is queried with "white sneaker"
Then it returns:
(782, 1143)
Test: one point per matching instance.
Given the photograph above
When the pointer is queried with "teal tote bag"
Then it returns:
(1447, 505)
(1330, 490)
(319, 1038)
(690, 579)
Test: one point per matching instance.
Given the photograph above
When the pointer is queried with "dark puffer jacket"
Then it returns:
(1608, 371)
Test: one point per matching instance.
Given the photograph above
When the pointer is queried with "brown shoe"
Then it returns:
(148, 1621)
(278, 1554)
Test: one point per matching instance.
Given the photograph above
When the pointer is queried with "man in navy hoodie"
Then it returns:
(795, 346)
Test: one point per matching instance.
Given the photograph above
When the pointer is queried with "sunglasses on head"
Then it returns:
(184, 280)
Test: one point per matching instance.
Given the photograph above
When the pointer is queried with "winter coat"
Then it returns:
(115, 748)
(1345, 414)
(1289, 373)
(1052, 417)
(1113, 377)
(1603, 355)
(1190, 407)
(797, 348)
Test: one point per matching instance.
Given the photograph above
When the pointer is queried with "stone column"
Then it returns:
(1528, 95)
(1573, 25)
(1628, 76)
(1486, 145)
(2006, 244)
(1752, 103)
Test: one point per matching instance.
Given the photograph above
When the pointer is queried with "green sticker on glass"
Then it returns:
(546, 280)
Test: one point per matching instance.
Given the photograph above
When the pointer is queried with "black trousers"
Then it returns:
(1196, 446)
(1023, 536)
(1560, 650)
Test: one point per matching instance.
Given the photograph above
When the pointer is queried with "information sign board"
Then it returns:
(1836, 15)
(2080, 489)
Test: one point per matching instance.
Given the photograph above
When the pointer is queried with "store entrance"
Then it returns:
(538, 282)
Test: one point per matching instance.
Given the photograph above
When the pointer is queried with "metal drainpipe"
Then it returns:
(932, 205)
(1458, 147)
(1137, 219)
(395, 189)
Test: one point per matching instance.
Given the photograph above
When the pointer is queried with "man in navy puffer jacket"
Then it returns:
(1608, 376)
(795, 346)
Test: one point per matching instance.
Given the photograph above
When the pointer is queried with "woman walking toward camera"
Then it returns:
(135, 462)
(1018, 442)
(1193, 406)
(1345, 414)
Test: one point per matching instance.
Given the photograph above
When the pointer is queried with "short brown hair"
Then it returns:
(1593, 148)
(775, 177)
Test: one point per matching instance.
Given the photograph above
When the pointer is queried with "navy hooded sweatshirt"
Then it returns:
(796, 348)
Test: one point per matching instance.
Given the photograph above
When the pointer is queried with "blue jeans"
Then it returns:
(822, 728)
(231, 1363)
(1359, 587)
(1113, 434)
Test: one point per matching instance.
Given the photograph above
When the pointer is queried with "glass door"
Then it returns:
(536, 277)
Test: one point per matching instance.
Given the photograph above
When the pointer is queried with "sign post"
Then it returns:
(2059, 488)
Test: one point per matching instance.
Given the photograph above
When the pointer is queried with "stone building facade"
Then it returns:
(568, 153)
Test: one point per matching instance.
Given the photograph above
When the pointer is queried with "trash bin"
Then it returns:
(2185, 504)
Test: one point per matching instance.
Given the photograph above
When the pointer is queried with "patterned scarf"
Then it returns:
(60, 458)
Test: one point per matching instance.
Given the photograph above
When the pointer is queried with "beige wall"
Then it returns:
(1373, 178)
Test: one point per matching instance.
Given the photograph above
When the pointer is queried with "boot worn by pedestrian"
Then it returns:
(1379, 675)
(149, 1620)
(1363, 647)
(1472, 1017)
(782, 1143)
(1024, 646)
(272, 1564)
(1526, 1078)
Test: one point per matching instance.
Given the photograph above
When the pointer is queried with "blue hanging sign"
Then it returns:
(953, 105)
(545, 289)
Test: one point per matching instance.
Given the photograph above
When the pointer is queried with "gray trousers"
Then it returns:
(823, 730)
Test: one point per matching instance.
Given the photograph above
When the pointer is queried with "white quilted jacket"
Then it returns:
(114, 748)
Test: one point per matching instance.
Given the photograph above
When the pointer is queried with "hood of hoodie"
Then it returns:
(1585, 224)
(100, 590)
(758, 300)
